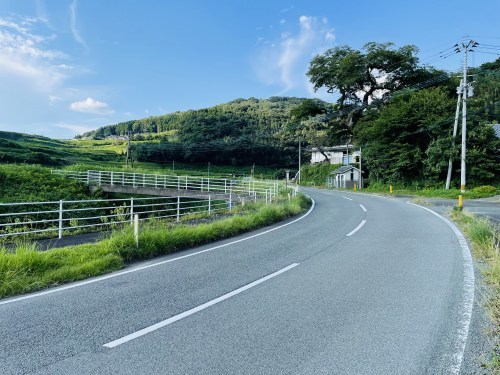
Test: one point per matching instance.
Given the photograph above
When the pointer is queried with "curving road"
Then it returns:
(359, 285)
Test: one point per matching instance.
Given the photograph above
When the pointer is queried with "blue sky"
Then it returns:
(69, 66)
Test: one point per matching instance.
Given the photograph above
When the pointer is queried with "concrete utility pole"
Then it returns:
(300, 160)
(360, 172)
(129, 154)
(466, 48)
(455, 130)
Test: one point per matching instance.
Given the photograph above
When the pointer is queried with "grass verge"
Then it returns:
(26, 269)
(485, 240)
(474, 193)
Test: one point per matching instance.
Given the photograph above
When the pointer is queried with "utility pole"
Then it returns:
(455, 130)
(466, 48)
(300, 157)
(360, 171)
(129, 154)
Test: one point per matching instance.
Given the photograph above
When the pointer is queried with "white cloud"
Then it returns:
(286, 65)
(24, 54)
(91, 105)
(74, 29)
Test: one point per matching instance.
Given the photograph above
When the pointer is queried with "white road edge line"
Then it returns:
(363, 208)
(194, 310)
(120, 273)
(349, 199)
(356, 229)
(467, 295)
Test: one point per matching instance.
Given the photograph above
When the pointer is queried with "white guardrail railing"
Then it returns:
(65, 217)
(159, 181)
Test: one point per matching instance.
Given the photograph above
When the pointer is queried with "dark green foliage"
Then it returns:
(316, 174)
(410, 140)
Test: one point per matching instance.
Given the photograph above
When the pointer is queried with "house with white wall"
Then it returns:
(336, 154)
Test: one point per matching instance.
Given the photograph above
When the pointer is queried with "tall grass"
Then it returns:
(485, 240)
(27, 269)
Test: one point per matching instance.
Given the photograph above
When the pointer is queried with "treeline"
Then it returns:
(255, 115)
(239, 151)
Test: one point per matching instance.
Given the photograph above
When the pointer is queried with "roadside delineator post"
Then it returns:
(390, 189)
(460, 201)
(354, 187)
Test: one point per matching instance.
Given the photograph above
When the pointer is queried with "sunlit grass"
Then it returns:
(26, 269)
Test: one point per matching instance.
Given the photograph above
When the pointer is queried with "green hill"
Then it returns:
(240, 132)
(265, 115)
(35, 149)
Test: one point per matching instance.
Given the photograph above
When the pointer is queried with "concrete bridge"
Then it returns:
(170, 185)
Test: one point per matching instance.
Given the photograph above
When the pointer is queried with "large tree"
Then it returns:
(360, 76)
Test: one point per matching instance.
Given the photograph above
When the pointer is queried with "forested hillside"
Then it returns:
(241, 132)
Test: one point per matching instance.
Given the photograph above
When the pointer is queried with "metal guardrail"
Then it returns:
(68, 217)
(63, 217)
(201, 184)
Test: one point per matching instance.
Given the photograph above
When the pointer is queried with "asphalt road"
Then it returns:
(488, 208)
(359, 285)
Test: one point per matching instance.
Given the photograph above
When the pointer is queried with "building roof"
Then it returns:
(344, 168)
(332, 148)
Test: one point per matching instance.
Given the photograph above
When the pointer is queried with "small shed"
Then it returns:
(345, 177)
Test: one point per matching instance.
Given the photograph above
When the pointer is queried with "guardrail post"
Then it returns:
(178, 208)
(230, 195)
(209, 204)
(60, 218)
(131, 210)
(225, 186)
(136, 230)
(112, 178)
(208, 184)
(254, 196)
(266, 198)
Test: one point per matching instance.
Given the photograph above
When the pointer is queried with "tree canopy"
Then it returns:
(362, 75)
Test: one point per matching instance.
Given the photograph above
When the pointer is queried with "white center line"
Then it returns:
(347, 198)
(363, 207)
(194, 310)
(356, 229)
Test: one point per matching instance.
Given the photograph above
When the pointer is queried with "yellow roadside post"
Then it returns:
(460, 201)
(354, 187)
(390, 189)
